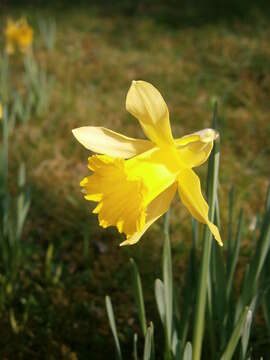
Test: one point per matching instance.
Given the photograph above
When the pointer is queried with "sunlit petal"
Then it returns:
(105, 141)
(145, 102)
(195, 149)
(154, 211)
(158, 168)
(124, 189)
(189, 189)
(120, 197)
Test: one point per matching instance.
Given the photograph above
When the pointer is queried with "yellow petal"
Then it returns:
(195, 149)
(125, 188)
(120, 197)
(25, 35)
(159, 168)
(145, 102)
(1, 111)
(105, 141)
(19, 34)
(189, 189)
(154, 211)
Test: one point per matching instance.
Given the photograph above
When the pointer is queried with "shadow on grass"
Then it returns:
(171, 13)
(65, 315)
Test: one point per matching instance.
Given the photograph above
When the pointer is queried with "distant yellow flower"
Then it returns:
(132, 194)
(18, 35)
(1, 111)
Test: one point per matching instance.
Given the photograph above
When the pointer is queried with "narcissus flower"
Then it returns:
(1, 111)
(134, 181)
(18, 35)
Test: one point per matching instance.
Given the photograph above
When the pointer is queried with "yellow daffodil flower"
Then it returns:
(1, 111)
(134, 181)
(18, 35)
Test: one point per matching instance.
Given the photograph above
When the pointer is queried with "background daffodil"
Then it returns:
(18, 35)
(134, 181)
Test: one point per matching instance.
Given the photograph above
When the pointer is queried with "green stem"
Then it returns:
(202, 292)
(207, 246)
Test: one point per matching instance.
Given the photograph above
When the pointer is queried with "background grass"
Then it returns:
(193, 62)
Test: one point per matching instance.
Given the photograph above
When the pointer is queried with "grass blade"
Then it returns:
(267, 200)
(188, 352)
(266, 310)
(168, 286)
(195, 234)
(110, 314)
(135, 351)
(230, 230)
(159, 294)
(251, 281)
(139, 295)
(4, 151)
(230, 348)
(235, 254)
(148, 343)
(245, 335)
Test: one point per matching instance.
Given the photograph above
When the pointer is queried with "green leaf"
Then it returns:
(267, 200)
(266, 311)
(110, 314)
(246, 334)
(148, 343)
(195, 235)
(23, 202)
(188, 352)
(139, 295)
(251, 279)
(235, 254)
(179, 350)
(135, 351)
(212, 181)
(230, 230)
(4, 151)
(188, 291)
(159, 294)
(168, 284)
(230, 348)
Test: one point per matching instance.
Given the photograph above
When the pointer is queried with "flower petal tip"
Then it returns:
(74, 132)
(125, 243)
(208, 135)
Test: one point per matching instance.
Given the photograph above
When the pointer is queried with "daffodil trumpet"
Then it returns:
(134, 181)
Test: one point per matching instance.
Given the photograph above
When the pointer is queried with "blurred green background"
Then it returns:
(195, 53)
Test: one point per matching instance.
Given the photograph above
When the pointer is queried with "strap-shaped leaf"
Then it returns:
(245, 335)
(168, 284)
(139, 295)
(159, 294)
(135, 351)
(110, 314)
(188, 352)
(231, 346)
(212, 182)
(148, 343)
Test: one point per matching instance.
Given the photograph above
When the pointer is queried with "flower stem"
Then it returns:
(212, 181)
